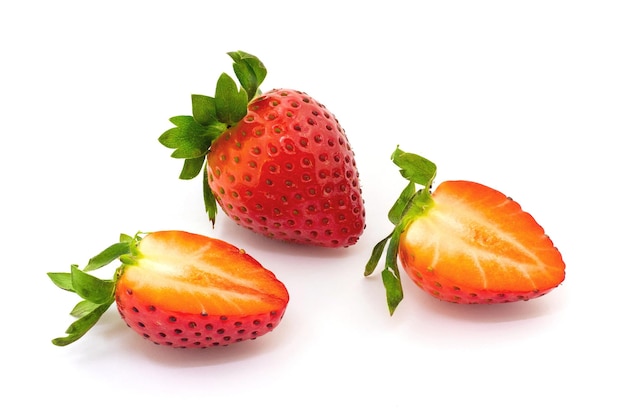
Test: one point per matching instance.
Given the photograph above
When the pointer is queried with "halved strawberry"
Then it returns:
(277, 163)
(464, 243)
(178, 289)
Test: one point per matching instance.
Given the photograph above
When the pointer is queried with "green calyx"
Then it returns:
(192, 136)
(412, 203)
(97, 294)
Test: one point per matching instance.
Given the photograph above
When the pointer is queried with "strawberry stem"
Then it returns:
(192, 136)
(410, 204)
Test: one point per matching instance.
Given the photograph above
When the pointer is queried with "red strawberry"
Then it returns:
(278, 164)
(464, 243)
(178, 289)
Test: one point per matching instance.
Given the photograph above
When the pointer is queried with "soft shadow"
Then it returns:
(256, 244)
(494, 313)
(111, 337)
(203, 357)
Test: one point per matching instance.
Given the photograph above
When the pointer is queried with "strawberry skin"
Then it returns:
(278, 164)
(287, 171)
(464, 243)
(475, 245)
(178, 289)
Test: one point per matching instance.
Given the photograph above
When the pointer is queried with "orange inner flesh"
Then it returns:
(186, 273)
(483, 241)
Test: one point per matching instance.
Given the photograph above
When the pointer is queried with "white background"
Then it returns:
(528, 97)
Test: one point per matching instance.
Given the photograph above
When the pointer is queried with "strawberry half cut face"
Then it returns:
(475, 245)
(189, 291)
(464, 243)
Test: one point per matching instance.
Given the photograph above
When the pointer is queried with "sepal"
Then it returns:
(203, 109)
(231, 102)
(188, 138)
(249, 70)
(415, 168)
(399, 207)
(192, 136)
(97, 294)
(110, 254)
(62, 280)
(411, 204)
(80, 327)
(210, 204)
(393, 290)
(90, 287)
(191, 168)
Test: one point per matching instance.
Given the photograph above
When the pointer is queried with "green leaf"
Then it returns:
(92, 288)
(391, 259)
(79, 327)
(377, 253)
(249, 70)
(192, 167)
(210, 205)
(410, 204)
(62, 280)
(391, 273)
(128, 238)
(231, 103)
(399, 207)
(203, 109)
(97, 295)
(418, 206)
(113, 252)
(84, 307)
(192, 136)
(393, 289)
(414, 167)
(189, 139)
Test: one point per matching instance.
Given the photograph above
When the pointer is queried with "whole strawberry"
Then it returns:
(177, 289)
(464, 242)
(277, 163)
